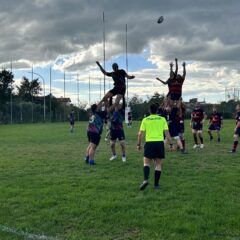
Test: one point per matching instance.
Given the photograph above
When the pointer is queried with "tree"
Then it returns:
(28, 89)
(6, 81)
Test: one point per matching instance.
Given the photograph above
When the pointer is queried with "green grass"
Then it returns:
(47, 189)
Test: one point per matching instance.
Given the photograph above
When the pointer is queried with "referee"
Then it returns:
(154, 128)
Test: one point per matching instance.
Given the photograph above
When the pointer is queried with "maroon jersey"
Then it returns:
(197, 115)
(216, 118)
(176, 87)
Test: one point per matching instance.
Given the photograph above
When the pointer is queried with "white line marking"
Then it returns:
(26, 235)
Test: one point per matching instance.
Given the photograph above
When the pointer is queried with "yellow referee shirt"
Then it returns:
(154, 127)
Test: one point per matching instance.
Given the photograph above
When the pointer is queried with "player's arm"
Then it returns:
(102, 69)
(161, 81)
(204, 117)
(129, 76)
(176, 67)
(167, 134)
(191, 120)
(171, 67)
(139, 141)
(184, 71)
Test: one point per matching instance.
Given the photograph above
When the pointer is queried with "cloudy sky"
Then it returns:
(67, 35)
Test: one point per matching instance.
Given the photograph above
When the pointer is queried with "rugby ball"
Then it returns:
(160, 19)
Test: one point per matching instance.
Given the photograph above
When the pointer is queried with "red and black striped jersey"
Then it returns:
(216, 118)
(176, 87)
(197, 115)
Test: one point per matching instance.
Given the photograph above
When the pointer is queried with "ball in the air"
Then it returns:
(160, 19)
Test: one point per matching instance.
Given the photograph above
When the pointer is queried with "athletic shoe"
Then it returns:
(87, 160)
(183, 151)
(92, 162)
(113, 157)
(124, 158)
(195, 146)
(201, 146)
(143, 185)
(232, 151)
(156, 187)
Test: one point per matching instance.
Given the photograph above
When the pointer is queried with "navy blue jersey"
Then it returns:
(117, 120)
(96, 121)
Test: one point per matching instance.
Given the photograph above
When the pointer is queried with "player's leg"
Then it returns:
(157, 173)
(113, 150)
(92, 150)
(116, 102)
(194, 132)
(146, 172)
(235, 141)
(210, 133)
(123, 148)
(200, 136)
(113, 139)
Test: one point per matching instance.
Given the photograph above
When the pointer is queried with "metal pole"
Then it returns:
(32, 95)
(127, 60)
(64, 96)
(50, 96)
(104, 53)
(11, 97)
(89, 92)
(78, 95)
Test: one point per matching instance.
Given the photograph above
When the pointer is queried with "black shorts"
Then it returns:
(173, 130)
(175, 96)
(237, 132)
(118, 90)
(117, 134)
(215, 127)
(180, 127)
(197, 126)
(93, 138)
(154, 150)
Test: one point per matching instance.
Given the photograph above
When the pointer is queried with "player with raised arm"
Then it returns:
(119, 90)
(172, 76)
(94, 131)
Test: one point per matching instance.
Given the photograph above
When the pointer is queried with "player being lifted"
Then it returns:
(118, 76)
(236, 130)
(175, 83)
(196, 123)
(215, 124)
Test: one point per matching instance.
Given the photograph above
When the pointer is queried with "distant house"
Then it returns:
(63, 100)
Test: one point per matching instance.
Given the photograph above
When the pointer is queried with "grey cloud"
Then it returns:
(42, 30)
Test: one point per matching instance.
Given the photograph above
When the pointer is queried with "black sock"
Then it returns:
(146, 171)
(195, 139)
(201, 140)
(235, 143)
(157, 177)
